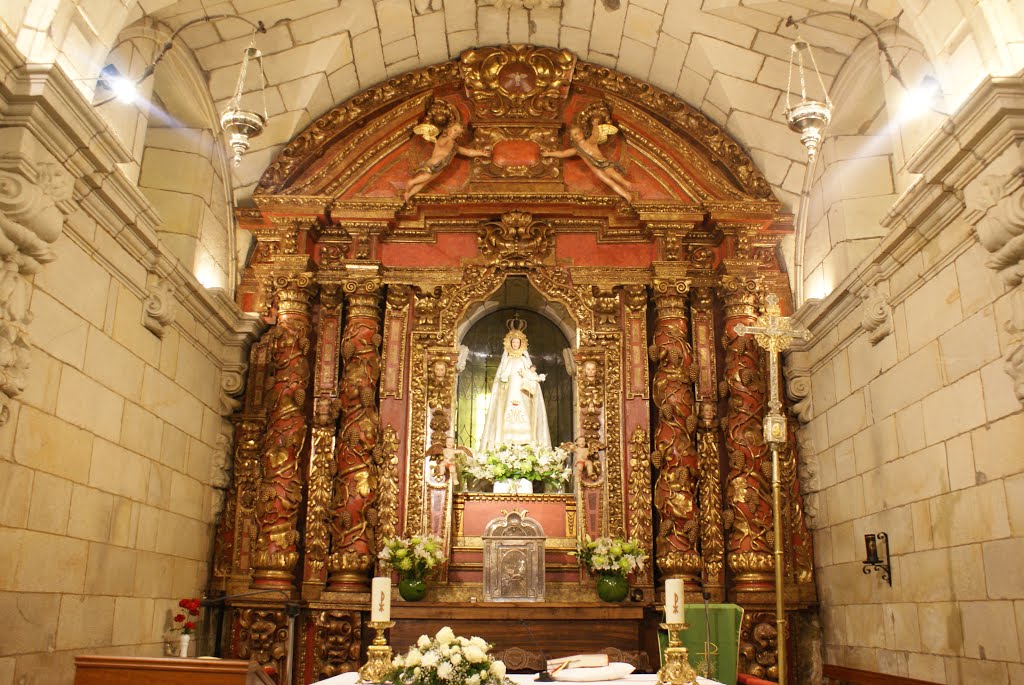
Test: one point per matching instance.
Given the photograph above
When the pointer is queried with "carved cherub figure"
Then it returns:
(586, 461)
(445, 131)
(593, 126)
(447, 461)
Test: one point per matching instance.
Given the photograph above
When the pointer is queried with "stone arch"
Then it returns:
(177, 151)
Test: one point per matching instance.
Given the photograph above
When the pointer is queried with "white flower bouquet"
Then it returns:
(612, 556)
(447, 659)
(415, 557)
(526, 462)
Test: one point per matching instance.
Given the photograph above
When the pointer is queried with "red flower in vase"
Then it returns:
(191, 610)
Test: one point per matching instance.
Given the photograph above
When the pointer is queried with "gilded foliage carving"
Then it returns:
(748, 490)
(517, 81)
(337, 635)
(280, 496)
(640, 492)
(516, 241)
(759, 645)
(351, 524)
(674, 454)
(385, 462)
(263, 638)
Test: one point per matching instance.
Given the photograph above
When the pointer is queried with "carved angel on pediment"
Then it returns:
(443, 128)
(591, 129)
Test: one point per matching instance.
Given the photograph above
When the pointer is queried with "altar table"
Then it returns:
(632, 679)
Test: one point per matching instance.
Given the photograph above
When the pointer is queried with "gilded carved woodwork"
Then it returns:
(748, 491)
(709, 477)
(638, 380)
(281, 489)
(758, 653)
(393, 356)
(263, 638)
(385, 463)
(801, 560)
(352, 548)
(516, 241)
(640, 494)
(322, 467)
(337, 636)
(440, 394)
(674, 454)
(517, 81)
(684, 117)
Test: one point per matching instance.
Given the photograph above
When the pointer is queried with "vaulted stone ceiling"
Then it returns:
(726, 58)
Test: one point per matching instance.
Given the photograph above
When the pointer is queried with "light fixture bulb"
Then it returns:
(124, 89)
(917, 101)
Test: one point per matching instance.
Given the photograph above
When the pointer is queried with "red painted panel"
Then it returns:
(449, 250)
(550, 515)
(508, 153)
(584, 250)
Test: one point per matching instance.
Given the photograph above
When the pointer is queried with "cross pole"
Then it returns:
(774, 333)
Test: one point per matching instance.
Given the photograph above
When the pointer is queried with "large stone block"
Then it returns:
(940, 628)
(85, 622)
(113, 365)
(1015, 504)
(973, 671)
(907, 382)
(51, 503)
(997, 385)
(153, 575)
(990, 631)
(89, 405)
(171, 402)
(876, 444)
(93, 514)
(996, 448)
(50, 563)
(960, 462)
(119, 471)
(369, 58)
(50, 444)
(80, 283)
(845, 501)
(16, 494)
(969, 345)
(933, 309)
(133, 621)
(30, 622)
(111, 570)
(971, 515)
(60, 332)
(847, 418)
(902, 630)
(915, 477)
(1003, 575)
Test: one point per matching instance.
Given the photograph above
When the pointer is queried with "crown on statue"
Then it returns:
(516, 331)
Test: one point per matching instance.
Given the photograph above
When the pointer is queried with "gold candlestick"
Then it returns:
(677, 669)
(378, 655)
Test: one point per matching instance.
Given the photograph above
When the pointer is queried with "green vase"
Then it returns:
(612, 588)
(412, 589)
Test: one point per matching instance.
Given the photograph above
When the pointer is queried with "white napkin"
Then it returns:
(612, 671)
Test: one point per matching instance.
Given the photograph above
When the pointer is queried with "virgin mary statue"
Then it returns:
(515, 412)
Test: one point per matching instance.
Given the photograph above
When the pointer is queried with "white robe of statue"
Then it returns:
(515, 412)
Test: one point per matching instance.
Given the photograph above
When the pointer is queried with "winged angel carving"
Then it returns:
(591, 129)
(443, 128)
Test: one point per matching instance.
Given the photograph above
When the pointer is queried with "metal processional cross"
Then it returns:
(775, 333)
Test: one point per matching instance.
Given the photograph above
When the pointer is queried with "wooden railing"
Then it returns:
(836, 675)
(841, 675)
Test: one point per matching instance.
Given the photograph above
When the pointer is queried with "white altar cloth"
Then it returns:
(527, 678)
(632, 679)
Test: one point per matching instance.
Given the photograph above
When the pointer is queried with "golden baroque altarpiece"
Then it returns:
(524, 158)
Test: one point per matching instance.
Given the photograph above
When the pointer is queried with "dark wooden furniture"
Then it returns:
(534, 627)
(130, 670)
(841, 674)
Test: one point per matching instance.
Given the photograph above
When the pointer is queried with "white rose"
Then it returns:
(445, 636)
(423, 642)
(398, 662)
(479, 642)
(413, 658)
(430, 659)
(444, 671)
(444, 650)
(456, 658)
(473, 654)
(498, 669)
(473, 680)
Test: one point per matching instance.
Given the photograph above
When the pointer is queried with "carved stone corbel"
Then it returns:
(798, 390)
(876, 318)
(160, 305)
(232, 387)
(31, 217)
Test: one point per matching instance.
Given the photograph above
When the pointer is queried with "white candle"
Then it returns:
(674, 600)
(380, 599)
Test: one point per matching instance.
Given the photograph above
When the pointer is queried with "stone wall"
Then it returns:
(113, 367)
(916, 427)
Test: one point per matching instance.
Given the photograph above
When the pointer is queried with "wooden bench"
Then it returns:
(132, 670)
(854, 676)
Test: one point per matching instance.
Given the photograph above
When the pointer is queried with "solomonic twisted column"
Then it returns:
(674, 453)
(280, 494)
(351, 531)
(748, 519)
